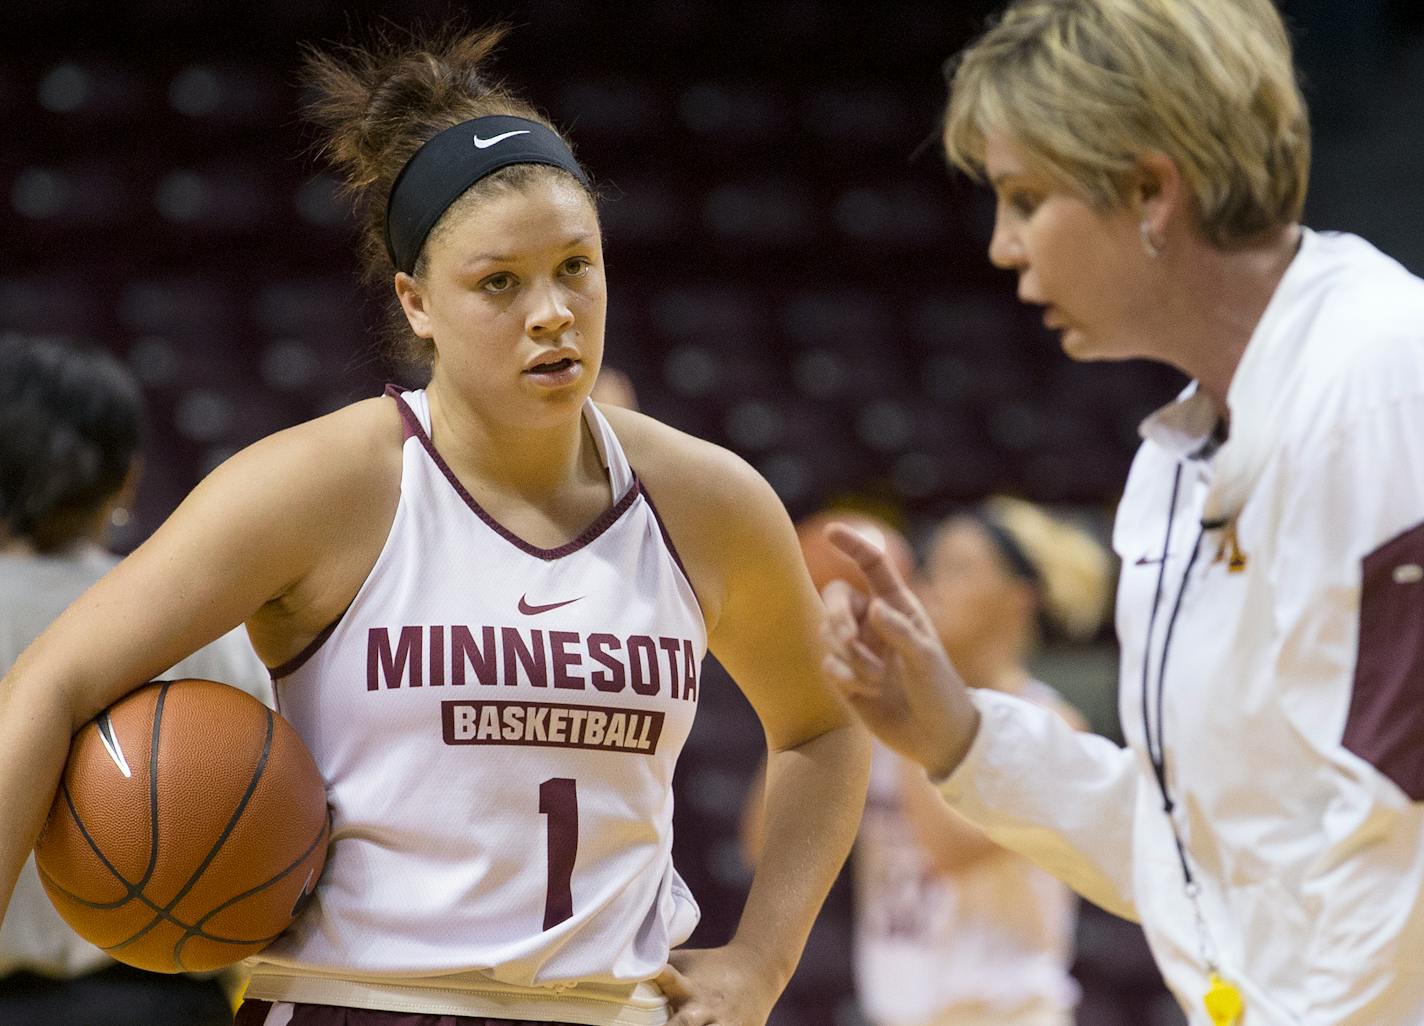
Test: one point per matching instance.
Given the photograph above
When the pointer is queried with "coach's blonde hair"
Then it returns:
(1086, 87)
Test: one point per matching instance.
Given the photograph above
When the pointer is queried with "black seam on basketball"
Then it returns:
(153, 784)
(165, 913)
(133, 889)
(157, 731)
(103, 906)
(196, 930)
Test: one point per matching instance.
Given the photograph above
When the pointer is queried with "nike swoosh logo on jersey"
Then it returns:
(528, 610)
(1150, 560)
(484, 144)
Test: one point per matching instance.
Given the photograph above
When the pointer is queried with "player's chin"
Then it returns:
(1079, 345)
(1075, 344)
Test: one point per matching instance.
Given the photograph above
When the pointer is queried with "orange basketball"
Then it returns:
(189, 829)
(827, 563)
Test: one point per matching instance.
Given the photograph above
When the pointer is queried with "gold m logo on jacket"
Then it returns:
(1229, 551)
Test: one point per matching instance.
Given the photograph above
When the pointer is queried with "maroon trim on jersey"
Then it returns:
(410, 426)
(667, 540)
(295, 663)
(1385, 726)
(254, 1013)
(605, 520)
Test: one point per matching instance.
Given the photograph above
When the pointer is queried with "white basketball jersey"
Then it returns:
(497, 725)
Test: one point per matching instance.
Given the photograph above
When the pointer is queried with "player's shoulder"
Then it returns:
(721, 514)
(340, 450)
(679, 469)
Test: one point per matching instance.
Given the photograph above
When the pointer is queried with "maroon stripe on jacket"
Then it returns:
(605, 520)
(1386, 721)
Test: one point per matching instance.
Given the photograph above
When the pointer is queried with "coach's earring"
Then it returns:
(1149, 245)
(119, 517)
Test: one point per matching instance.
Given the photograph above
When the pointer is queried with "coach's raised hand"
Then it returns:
(889, 663)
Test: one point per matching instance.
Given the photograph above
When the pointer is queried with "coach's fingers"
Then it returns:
(868, 663)
(845, 609)
(885, 580)
(899, 630)
(850, 675)
(847, 681)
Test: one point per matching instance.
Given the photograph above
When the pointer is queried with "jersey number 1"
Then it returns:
(558, 799)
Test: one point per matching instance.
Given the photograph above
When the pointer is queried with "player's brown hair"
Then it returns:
(377, 104)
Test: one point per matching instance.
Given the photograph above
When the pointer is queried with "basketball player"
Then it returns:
(484, 630)
(70, 449)
(950, 928)
(1266, 823)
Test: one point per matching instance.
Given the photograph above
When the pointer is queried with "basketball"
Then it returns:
(189, 829)
(828, 563)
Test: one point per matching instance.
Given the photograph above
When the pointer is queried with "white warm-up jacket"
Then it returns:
(1271, 621)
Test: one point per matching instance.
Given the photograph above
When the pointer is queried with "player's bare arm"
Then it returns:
(262, 537)
(764, 622)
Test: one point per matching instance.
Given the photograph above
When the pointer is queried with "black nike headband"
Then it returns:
(441, 170)
(1008, 547)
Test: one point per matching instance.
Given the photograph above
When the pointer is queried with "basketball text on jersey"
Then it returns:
(551, 725)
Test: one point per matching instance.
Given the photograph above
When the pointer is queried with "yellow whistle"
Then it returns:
(1223, 1002)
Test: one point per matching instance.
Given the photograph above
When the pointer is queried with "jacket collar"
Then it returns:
(1264, 382)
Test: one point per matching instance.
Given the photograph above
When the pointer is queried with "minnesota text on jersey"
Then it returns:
(420, 657)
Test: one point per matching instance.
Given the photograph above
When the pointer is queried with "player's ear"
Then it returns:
(412, 301)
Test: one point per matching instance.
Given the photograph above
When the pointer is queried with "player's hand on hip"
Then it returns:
(726, 986)
(887, 659)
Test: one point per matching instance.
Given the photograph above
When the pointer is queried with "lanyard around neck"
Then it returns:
(1156, 744)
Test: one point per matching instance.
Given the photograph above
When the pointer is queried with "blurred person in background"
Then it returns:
(1266, 821)
(614, 388)
(950, 928)
(70, 455)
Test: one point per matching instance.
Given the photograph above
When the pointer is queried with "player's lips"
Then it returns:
(555, 369)
(1053, 320)
(552, 360)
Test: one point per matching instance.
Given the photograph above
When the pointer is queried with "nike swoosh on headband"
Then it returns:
(484, 144)
(447, 165)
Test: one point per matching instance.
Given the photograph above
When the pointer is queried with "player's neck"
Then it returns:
(537, 464)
